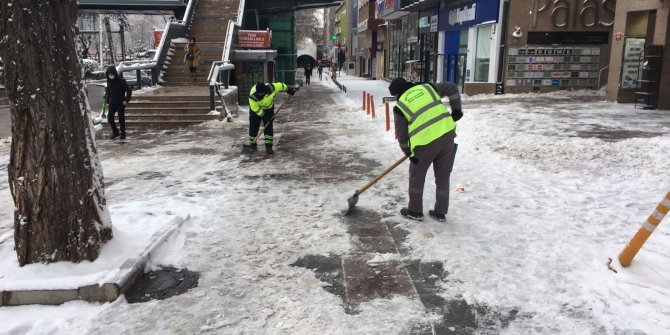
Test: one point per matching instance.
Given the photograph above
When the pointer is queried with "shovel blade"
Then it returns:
(352, 202)
(248, 149)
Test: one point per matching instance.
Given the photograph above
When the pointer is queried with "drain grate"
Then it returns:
(161, 284)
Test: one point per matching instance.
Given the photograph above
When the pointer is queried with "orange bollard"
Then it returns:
(388, 120)
(364, 96)
(369, 103)
(626, 256)
(372, 102)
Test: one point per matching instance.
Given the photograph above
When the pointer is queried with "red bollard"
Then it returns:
(364, 96)
(369, 103)
(372, 102)
(388, 120)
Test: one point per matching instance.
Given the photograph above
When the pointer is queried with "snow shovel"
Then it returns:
(354, 198)
(248, 149)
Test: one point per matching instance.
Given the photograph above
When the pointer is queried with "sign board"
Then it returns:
(254, 39)
(433, 23)
(362, 26)
(423, 22)
(468, 14)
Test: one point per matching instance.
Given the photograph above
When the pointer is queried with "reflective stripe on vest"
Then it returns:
(427, 116)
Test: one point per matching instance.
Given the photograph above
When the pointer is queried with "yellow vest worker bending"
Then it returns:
(262, 108)
(426, 131)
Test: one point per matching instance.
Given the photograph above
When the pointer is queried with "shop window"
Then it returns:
(483, 54)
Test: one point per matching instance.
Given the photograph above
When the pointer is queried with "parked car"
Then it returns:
(131, 78)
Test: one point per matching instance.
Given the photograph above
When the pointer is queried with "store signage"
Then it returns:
(468, 14)
(617, 36)
(433, 23)
(389, 9)
(462, 15)
(574, 13)
(362, 26)
(254, 39)
(423, 22)
(362, 3)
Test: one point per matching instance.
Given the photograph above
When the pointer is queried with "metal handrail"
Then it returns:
(600, 73)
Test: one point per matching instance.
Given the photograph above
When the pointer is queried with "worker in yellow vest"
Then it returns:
(262, 108)
(426, 131)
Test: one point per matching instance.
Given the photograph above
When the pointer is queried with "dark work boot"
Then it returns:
(437, 216)
(123, 136)
(268, 149)
(114, 135)
(411, 215)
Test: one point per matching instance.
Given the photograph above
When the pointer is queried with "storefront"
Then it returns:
(558, 45)
(471, 43)
(395, 40)
(428, 42)
(641, 36)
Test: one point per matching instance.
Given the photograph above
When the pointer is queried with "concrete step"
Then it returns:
(181, 110)
(169, 104)
(136, 125)
(203, 84)
(171, 117)
(170, 98)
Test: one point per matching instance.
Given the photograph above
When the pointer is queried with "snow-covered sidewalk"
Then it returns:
(554, 184)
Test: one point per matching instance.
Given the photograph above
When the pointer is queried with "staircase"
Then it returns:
(184, 100)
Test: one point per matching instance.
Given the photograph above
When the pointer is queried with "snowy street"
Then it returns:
(552, 186)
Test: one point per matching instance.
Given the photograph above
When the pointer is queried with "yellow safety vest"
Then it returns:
(428, 117)
(268, 101)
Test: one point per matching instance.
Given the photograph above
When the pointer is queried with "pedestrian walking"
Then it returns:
(192, 56)
(308, 73)
(341, 58)
(262, 108)
(117, 97)
(426, 131)
(320, 70)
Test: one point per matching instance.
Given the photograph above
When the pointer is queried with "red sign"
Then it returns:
(254, 39)
(617, 36)
(157, 37)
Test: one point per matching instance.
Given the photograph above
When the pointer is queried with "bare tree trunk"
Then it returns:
(110, 40)
(55, 176)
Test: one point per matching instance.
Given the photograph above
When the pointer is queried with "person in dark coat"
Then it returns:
(308, 73)
(320, 69)
(426, 130)
(117, 95)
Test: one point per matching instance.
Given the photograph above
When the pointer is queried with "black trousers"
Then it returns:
(255, 123)
(113, 109)
(307, 79)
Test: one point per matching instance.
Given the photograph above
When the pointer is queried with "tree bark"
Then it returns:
(110, 40)
(55, 176)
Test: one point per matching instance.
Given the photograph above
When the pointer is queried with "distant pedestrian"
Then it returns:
(192, 56)
(341, 58)
(117, 96)
(262, 108)
(308, 73)
(320, 70)
(426, 130)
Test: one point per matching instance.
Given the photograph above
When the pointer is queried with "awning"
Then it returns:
(264, 55)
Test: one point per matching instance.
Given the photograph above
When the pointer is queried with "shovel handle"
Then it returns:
(379, 176)
(268, 123)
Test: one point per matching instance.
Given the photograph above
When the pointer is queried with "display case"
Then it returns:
(646, 96)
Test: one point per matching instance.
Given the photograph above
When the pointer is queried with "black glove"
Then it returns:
(457, 114)
(290, 91)
(414, 160)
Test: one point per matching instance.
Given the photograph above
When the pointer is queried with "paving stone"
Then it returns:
(368, 230)
(365, 245)
(359, 268)
(366, 289)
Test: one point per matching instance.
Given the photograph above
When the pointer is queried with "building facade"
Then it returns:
(640, 58)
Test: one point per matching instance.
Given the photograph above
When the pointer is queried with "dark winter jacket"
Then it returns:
(117, 90)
